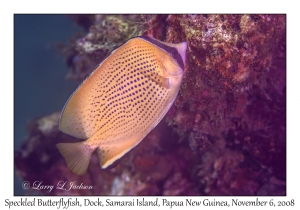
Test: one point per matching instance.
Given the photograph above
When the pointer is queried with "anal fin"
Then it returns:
(110, 153)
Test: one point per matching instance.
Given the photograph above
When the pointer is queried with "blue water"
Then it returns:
(40, 87)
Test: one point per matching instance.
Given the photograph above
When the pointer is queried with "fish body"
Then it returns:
(121, 101)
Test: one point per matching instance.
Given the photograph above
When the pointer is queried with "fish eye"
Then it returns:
(174, 53)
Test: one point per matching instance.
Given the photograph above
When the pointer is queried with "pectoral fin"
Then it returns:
(155, 77)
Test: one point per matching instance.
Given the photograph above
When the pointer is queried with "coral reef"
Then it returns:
(105, 34)
(225, 133)
(144, 171)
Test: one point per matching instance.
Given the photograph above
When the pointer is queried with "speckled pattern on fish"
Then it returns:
(121, 101)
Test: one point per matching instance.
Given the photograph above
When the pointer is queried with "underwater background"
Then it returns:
(40, 87)
(224, 135)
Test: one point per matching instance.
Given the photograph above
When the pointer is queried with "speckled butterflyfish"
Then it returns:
(121, 101)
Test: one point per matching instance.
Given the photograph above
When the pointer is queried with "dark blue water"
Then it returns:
(40, 87)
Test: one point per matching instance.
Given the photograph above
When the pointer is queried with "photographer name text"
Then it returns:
(61, 185)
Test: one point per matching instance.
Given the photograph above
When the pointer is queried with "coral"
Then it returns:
(234, 49)
(143, 171)
(105, 33)
(233, 91)
(225, 133)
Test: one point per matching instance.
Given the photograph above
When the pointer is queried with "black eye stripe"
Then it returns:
(174, 53)
(171, 50)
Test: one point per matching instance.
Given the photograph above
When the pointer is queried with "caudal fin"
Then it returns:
(77, 156)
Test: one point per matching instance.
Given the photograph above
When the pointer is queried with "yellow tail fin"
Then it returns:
(77, 156)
